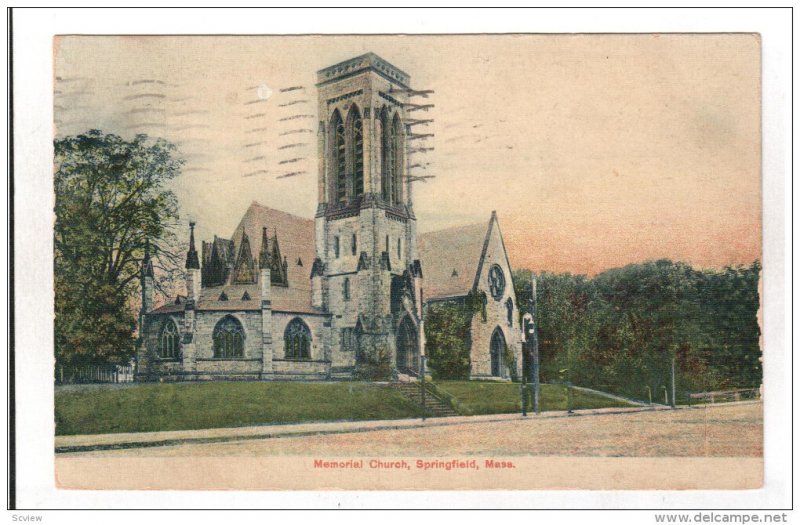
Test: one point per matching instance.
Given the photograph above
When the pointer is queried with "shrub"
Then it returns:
(375, 364)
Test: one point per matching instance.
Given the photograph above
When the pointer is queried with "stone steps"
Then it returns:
(433, 405)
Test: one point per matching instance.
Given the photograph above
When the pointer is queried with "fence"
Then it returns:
(94, 374)
(723, 396)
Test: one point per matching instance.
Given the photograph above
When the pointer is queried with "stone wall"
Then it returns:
(196, 360)
(149, 365)
(496, 312)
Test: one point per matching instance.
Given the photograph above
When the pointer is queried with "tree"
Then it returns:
(447, 340)
(621, 330)
(111, 202)
(562, 301)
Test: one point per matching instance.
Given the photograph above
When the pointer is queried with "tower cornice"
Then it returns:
(359, 64)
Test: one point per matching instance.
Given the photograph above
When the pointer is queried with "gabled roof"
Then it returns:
(451, 258)
(296, 240)
(295, 237)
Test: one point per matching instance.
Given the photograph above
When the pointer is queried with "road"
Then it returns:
(734, 430)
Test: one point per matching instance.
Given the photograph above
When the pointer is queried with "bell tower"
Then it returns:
(365, 225)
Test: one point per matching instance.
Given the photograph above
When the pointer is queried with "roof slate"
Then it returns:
(450, 259)
(296, 241)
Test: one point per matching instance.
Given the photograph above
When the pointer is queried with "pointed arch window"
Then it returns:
(510, 311)
(228, 338)
(396, 160)
(355, 129)
(386, 155)
(168, 344)
(297, 340)
(339, 157)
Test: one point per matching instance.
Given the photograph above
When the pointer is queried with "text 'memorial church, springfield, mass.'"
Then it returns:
(286, 297)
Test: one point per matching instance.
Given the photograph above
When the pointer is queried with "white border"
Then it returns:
(33, 32)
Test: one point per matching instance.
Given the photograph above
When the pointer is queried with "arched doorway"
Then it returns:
(497, 349)
(407, 355)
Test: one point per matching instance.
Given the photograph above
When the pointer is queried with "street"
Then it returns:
(732, 430)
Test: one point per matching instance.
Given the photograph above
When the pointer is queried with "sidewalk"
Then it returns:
(85, 443)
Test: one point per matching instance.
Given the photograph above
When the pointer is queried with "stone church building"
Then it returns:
(286, 297)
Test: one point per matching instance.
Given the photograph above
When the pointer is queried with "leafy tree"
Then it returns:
(111, 202)
(731, 301)
(447, 340)
(621, 330)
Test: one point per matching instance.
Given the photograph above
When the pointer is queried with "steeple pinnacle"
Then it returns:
(264, 256)
(192, 260)
(147, 264)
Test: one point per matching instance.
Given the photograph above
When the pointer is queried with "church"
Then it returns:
(294, 298)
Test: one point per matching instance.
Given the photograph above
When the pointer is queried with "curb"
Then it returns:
(434, 422)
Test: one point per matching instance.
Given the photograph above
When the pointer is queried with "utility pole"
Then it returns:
(535, 360)
(422, 367)
(673, 381)
(421, 342)
(523, 396)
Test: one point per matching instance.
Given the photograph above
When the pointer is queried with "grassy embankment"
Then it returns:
(184, 406)
(471, 398)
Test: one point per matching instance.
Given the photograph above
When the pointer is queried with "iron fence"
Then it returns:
(66, 375)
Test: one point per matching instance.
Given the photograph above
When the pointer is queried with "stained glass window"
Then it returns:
(297, 340)
(228, 338)
(168, 341)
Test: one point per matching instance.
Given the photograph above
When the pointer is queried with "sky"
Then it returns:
(596, 151)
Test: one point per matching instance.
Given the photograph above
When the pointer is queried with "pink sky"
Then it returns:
(595, 151)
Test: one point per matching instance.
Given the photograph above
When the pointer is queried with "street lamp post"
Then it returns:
(535, 343)
(421, 341)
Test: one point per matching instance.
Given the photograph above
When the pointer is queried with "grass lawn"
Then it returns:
(471, 398)
(184, 406)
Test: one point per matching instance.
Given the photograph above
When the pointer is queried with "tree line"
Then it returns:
(620, 330)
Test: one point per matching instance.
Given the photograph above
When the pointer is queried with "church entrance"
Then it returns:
(407, 355)
(498, 346)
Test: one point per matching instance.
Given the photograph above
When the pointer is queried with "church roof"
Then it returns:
(296, 240)
(450, 259)
(295, 236)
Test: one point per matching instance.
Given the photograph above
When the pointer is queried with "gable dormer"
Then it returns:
(216, 261)
(244, 271)
(278, 265)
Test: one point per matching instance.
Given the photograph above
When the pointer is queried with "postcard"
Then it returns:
(408, 262)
